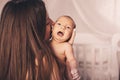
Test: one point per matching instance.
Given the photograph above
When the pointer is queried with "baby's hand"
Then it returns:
(72, 37)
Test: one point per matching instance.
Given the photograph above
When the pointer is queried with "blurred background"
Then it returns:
(97, 41)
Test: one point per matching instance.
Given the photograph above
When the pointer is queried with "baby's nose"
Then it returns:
(63, 27)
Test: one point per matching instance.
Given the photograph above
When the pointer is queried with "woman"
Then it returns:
(24, 53)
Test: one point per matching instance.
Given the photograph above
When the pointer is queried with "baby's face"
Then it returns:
(62, 29)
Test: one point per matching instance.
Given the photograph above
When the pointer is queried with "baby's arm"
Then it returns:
(72, 62)
(72, 37)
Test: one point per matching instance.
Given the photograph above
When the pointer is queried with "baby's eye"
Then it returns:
(68, 27)
(59, 23)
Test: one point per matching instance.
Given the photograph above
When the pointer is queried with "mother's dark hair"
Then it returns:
(22, 32)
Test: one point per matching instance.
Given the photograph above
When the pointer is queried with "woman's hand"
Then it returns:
(72, 37)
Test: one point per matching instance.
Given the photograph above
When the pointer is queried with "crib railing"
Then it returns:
(97, 62)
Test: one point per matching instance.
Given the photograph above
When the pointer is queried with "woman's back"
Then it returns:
(22, 32)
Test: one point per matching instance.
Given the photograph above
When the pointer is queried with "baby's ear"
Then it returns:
(53, 24)
(52, 27)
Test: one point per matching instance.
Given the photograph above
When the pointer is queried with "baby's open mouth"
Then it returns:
(60, 33)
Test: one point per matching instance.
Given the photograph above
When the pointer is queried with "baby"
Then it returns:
(61, 43)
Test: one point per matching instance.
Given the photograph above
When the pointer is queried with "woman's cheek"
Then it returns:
(47, 33)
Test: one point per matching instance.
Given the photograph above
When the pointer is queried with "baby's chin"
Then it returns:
(62, 40)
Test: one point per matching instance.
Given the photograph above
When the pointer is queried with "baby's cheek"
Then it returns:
(69, 35)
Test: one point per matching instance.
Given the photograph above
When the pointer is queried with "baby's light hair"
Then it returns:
(66, 16)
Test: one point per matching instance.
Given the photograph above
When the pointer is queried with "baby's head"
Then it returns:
(68, 19)
(63, 28)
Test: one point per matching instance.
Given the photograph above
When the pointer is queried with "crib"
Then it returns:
(97, 60)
